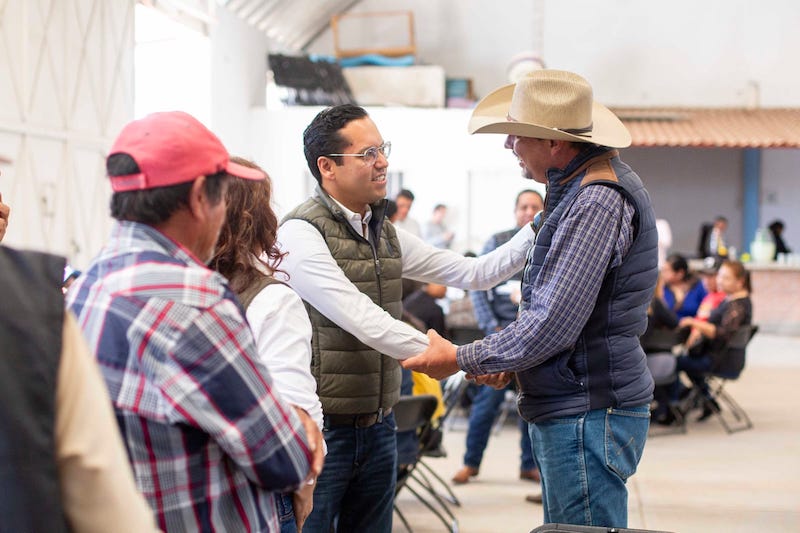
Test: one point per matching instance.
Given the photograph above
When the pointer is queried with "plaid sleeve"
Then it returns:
(480, 299)
(217, 385)
(565, 290)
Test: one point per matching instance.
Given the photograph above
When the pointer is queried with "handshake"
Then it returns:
(439, 362)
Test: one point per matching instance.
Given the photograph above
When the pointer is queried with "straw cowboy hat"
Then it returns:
(549, 104)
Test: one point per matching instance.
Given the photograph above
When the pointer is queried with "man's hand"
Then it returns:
(438, 361)
(314, 437)
(5, 211)
(496, 381)
(303, 503)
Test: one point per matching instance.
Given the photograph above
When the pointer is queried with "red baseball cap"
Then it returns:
(171, 148)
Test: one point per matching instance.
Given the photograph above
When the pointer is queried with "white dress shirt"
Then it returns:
(282, 331)
(316, 277)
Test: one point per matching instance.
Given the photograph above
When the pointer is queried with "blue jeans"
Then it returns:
(585, 461)
(285, 507)
(485, 406)
(356, 488)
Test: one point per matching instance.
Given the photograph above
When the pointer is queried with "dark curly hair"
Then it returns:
(250, 229)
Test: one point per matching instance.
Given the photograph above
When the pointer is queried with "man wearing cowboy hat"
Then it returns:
(584, 384)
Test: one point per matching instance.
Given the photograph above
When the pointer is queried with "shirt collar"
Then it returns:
(354, 218)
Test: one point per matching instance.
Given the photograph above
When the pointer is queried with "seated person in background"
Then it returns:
(246, 254)
(657, 342)
(460, 320)
(682, 291)
(662, 323)
(710, 352)
(422, 304)
(711, 301)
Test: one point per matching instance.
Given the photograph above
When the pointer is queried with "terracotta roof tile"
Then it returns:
(713, 128)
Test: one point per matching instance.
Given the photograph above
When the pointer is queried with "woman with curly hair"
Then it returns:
(247, 255)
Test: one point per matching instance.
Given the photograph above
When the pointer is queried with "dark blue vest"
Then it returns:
(606, 367)
(31, 325)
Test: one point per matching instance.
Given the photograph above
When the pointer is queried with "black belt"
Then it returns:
(356, 421)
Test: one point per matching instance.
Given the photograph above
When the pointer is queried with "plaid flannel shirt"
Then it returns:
(591, 239)
(207, 436)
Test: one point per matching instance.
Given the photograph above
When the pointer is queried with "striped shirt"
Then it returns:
(207, 436)
(592, 238)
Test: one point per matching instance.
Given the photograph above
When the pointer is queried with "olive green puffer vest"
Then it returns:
(352, 378)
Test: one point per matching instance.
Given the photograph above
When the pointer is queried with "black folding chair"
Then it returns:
(414, 413)
(718, 400)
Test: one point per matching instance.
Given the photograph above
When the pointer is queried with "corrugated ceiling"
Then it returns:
(293, 24)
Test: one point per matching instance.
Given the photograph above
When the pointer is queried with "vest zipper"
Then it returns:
(378, 273)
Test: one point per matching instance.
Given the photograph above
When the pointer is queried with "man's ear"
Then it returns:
(198, 199)
(327, 167)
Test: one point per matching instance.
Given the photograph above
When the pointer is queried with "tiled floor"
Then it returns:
(703, 481)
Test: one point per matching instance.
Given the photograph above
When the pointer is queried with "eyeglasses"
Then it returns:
(370, 155)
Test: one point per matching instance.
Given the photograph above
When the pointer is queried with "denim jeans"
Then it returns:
(283, 503)
(485, 406)
(585, 461)
(356, 488)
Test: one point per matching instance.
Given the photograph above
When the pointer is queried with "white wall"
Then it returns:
(66, 87)
(239, 73)
(689, 186)
(634, 52)
(780, 194)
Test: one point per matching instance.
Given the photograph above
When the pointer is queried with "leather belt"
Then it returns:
(356, 421)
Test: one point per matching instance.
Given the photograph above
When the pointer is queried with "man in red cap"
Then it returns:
(207, 435)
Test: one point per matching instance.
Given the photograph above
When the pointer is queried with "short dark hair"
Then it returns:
(678, 263)
(527, 191)
(405, 193)
(439, 206)
(322, 136)
(154, 206)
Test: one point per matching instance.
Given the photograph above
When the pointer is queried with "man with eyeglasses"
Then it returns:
(346, 261)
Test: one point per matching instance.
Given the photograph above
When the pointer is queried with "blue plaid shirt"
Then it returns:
(206, 434)
(487, 318)
(591, 239)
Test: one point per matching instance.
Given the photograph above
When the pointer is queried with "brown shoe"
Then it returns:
(463, 475)
(534, 498)
(532, 475)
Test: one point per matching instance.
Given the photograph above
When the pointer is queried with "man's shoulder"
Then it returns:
(151, 274)
(311, 207)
